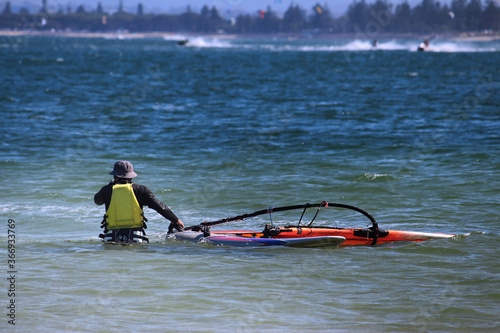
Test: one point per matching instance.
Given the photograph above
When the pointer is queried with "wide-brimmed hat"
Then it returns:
(123, 169)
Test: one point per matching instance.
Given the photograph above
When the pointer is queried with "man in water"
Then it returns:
(424, 46)
(124, 220)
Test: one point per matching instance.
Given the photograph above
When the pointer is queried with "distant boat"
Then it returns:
(183, 42)
(424, 46)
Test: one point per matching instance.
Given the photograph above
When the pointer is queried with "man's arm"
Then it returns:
(103, 196)
(147, 198)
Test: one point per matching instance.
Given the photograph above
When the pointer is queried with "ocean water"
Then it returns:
(223, 127)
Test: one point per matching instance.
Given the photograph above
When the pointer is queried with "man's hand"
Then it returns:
(179, 226)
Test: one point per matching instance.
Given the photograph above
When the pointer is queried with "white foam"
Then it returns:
(207, 42)
(455, 47)
(356, 45)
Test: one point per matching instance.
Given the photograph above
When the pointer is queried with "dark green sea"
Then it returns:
(223, 127)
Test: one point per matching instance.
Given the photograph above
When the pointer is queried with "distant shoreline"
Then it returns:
(484, 37)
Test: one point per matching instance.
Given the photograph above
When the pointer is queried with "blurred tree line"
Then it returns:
(381, 16)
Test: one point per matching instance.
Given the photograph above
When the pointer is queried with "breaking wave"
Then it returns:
(336, 45)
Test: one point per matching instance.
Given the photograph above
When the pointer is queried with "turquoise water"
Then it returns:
(229, 126)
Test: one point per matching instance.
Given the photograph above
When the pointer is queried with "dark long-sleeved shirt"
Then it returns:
(144, 196)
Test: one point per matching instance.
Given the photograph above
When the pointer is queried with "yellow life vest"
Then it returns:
(124, 210)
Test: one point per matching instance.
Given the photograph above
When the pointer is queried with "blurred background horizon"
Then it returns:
(227, 8)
